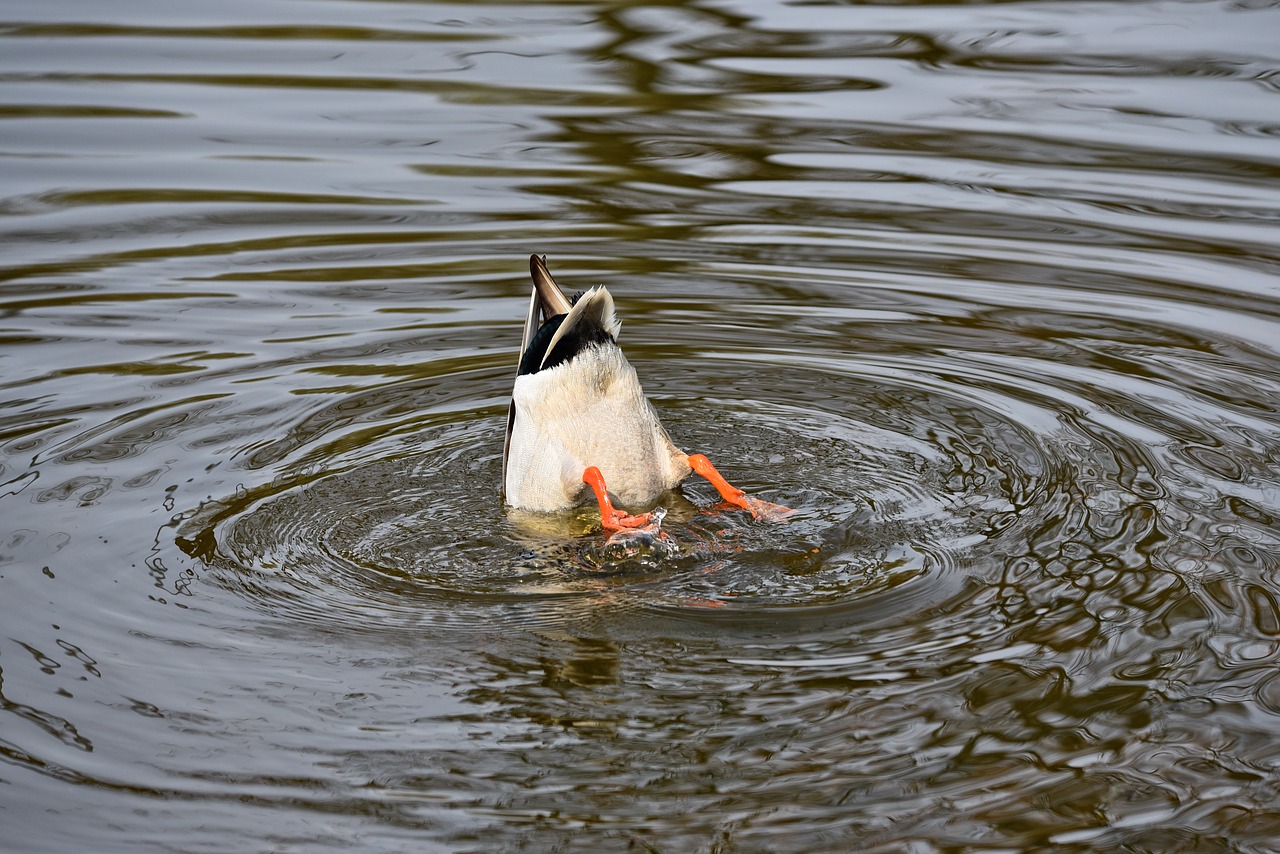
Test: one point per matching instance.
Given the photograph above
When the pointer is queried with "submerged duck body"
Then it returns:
(579, 420)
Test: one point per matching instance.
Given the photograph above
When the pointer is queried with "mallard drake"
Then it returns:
(579, 419)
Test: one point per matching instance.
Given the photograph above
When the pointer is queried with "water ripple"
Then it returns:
(987, 291)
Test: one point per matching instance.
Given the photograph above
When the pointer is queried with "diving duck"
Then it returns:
(579, 419)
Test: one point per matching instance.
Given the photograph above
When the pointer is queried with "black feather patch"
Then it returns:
(582, 336)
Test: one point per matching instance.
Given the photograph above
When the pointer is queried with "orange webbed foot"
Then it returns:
(610, 517)
(758, 508)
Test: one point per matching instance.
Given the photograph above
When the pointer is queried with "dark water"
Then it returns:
(989, 291)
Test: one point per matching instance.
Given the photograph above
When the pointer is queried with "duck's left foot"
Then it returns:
(758, 508)
(610, 517)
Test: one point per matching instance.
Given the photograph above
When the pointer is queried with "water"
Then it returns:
(989, 292)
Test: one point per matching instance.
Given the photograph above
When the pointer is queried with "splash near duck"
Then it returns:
(579, 422)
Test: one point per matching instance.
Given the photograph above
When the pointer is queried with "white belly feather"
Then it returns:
(590, 411)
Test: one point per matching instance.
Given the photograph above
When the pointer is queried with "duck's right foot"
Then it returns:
(612, 518)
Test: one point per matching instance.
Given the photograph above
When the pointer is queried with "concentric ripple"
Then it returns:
(409, 529)
(987, 291)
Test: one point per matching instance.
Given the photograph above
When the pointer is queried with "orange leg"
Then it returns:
(732, 495)
(612, 518)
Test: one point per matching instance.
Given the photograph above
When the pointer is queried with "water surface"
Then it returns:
(988, 291)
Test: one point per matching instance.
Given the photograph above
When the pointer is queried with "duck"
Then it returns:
(579, 424)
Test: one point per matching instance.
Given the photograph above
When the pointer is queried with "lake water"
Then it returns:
(989, 292)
